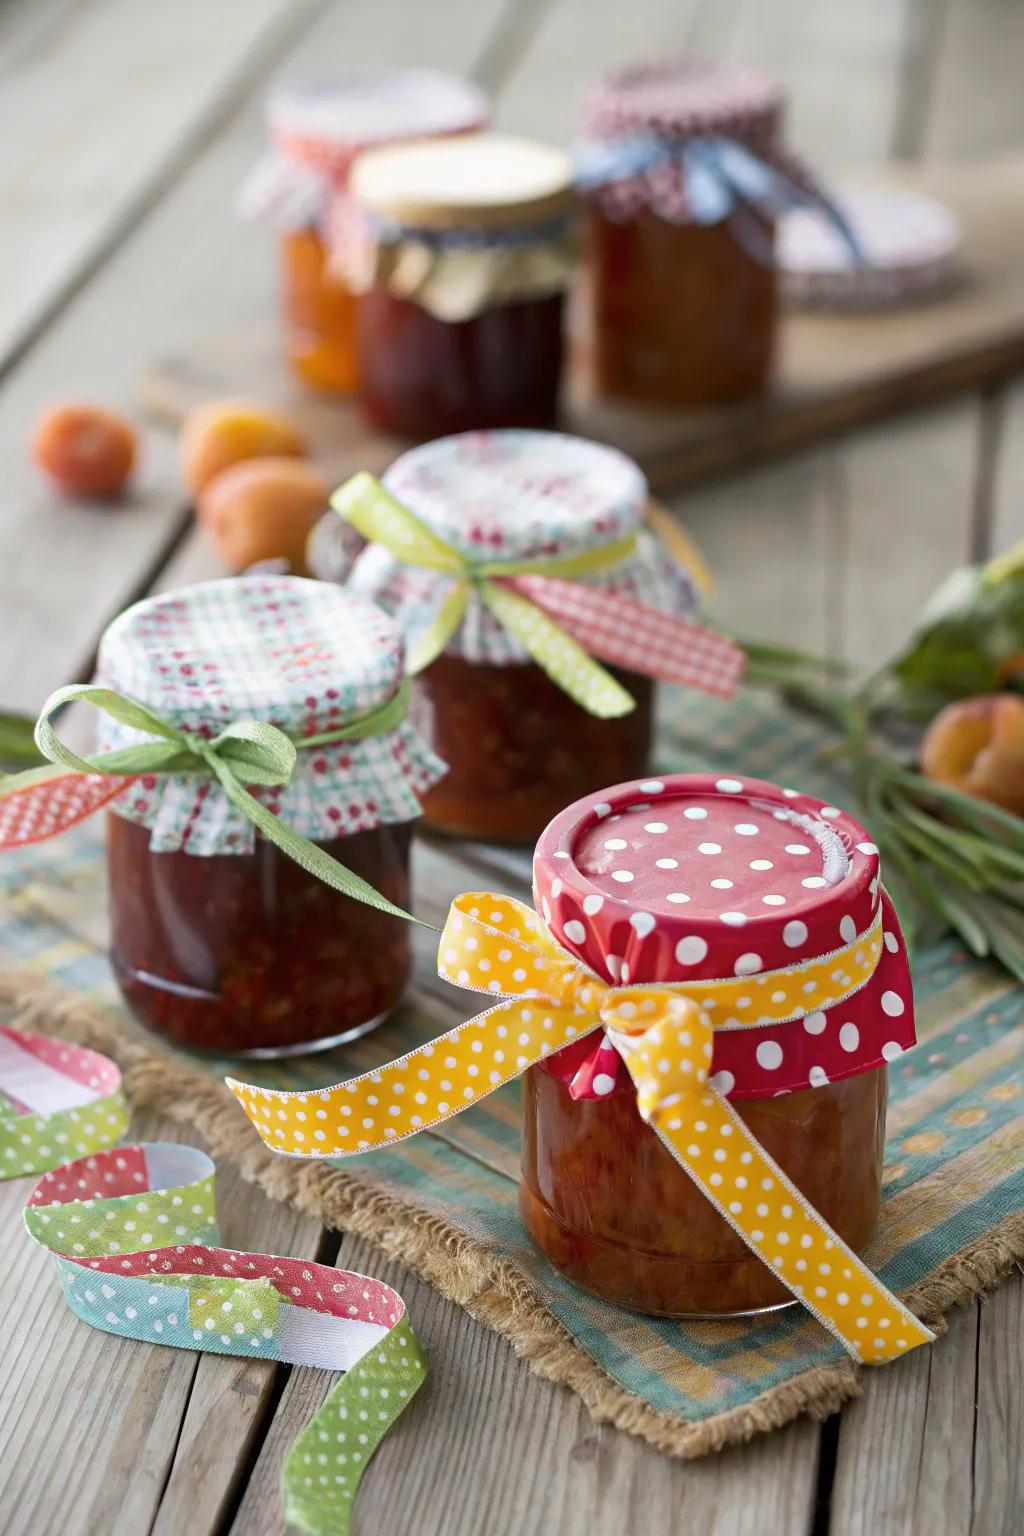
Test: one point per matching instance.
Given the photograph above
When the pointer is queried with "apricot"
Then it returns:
(85, 449)
(226, 432)
(977, 745)
(263, 509)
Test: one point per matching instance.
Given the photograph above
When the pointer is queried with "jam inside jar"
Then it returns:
(422, 376)
(606, 1202)
(681, 314)
(518, 747)
(319, 315)
(249, 953)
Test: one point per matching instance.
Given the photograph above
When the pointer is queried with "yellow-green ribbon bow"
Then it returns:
(381, 519)
(245, 752)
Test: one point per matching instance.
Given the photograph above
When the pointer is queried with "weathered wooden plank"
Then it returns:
(90, 1424)
(487, 1446)
(97, 115)
(999, 1425)
(904, 1460)
(190, 262)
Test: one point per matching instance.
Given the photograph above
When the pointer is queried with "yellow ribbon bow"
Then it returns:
(381, 519)
(496, 945)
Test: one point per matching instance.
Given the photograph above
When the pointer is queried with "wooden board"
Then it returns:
(835, 371)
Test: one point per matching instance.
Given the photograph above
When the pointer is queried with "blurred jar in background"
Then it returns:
(461, 252)
(300, 188)
(681, 173)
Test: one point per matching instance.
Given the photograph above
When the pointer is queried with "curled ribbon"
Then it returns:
(55, 1099)
(559, 622)
(42, 802)
(134, 1234)
(496, 945)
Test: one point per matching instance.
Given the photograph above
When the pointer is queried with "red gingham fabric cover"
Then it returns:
(703, 876)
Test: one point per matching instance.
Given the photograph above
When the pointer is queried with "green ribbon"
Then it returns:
(245, 752)
(374, 513)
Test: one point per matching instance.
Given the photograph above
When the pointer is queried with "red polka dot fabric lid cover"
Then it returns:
(700, 876)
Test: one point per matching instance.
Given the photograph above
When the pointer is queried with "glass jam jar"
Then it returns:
(680, 297)
(316, 133)
(461, 257)
(693, 878)
(219, 940)
(518, 746)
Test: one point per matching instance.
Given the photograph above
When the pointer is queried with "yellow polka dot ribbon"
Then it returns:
(494, 944)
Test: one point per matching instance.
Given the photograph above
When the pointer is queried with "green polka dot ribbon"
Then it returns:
(57, 1101)
(376, 514)
(134, 1232)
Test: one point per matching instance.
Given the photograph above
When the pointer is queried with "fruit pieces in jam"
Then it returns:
(681, 314)
(423, 377)
(609, 1206)
(518, 747)
(248, 953)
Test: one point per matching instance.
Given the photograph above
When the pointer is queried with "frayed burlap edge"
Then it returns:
(491, 1288)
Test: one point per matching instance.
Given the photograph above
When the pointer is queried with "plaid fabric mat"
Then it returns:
(955, 1154)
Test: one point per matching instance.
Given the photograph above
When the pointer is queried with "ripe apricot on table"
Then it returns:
(263, 509)
(226, 432)
(85, 449)
(977, 745)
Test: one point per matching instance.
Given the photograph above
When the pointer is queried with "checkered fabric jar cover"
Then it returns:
(302, 655)
(517, 495)
(316, 131)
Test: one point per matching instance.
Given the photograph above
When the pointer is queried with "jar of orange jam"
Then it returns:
(316, 133)
(682, 174)
(518, 745)
(693, 878)
(219, 939)
(461, 256)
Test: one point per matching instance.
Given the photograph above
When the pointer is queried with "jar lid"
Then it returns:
(303, 655)
(326, 123)
(479, 181)
(910, 244)
(300, 654)
(517, 494)
(703, 877)
(683, 97)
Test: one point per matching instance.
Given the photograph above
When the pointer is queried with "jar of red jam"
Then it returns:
(519, 747)
(678, 165)
(316, 133)
(219, 939)
(461, 258)
(697, 878)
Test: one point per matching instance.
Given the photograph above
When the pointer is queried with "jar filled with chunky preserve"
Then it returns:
(461, 254)
(519, 744)
(316, 133)
(704, 879)
(219, 938)
(682, 172)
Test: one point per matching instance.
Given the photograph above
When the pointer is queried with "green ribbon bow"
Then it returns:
(245, 752)
(374, 513)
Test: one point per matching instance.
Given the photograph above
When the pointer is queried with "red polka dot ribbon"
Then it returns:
(496, 945)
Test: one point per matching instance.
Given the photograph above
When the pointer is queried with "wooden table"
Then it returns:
(124, 130)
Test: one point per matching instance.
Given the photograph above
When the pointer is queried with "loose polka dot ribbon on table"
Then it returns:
(134, 1234)
(56, 1100)
(496, 945)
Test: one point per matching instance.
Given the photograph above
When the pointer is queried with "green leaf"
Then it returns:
(17, 742)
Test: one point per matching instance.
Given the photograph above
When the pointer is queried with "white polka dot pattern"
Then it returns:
(57, 1101)
(112, 1228)
(494, 944)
